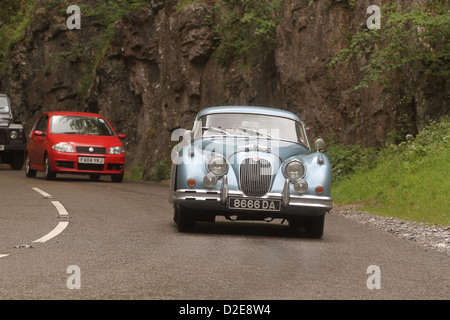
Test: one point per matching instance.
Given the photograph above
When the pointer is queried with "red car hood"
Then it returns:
(88, 140)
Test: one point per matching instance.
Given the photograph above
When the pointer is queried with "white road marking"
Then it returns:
(58, 229)
(62, 212)
(4, 255)
(45, 194)
(60, 208)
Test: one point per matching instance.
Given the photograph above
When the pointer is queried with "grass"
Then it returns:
(410, 181)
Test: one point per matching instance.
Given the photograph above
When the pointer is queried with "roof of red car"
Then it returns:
(74, 113)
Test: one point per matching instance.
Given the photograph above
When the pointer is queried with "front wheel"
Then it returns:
(17, 160)
(312, 225)
(117, 177)
(30, 173)
(184, 219)
(48, 173)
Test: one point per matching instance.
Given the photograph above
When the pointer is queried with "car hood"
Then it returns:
(88, 140)
(235, 147)
(236, 150)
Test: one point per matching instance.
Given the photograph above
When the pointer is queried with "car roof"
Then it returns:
(74, 113)
(251, 110)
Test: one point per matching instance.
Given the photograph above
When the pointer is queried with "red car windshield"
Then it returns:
(80, 125)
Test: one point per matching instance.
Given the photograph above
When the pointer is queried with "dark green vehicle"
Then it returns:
(12, 136)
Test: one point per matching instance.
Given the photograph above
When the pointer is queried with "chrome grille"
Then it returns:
(255, 177)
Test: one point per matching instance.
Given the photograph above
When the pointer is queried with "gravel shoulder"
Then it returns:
(430, 236)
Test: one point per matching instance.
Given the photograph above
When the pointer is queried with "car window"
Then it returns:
(264, 126)
(41, 125)
(4, 105)
(80, 125)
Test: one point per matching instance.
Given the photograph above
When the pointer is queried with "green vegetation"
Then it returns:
(14, 20)
(102, 15)
(246, 29)
(417, 37)
(410, 180)
(135, 173)
(162, 170)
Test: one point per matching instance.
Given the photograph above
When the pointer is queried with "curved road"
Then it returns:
(118, 241)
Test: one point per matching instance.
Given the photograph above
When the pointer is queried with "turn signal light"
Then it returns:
(191, 183)
(319, 190)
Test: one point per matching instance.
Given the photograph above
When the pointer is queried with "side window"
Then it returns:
(42, 124)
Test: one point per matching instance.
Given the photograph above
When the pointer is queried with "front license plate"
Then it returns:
(2, 147)
(91, 160)
(254, 204)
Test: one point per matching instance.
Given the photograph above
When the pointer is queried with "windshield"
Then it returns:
(80, 125)
(245, 125)
(4, 105)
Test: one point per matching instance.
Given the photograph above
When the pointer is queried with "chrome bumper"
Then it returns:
(222, 196)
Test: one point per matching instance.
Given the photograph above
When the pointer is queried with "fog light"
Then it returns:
(319, 190)
(191, 183)
(300, 186)
(210, 180)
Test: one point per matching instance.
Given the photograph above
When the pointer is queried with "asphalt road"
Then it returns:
(118, 241)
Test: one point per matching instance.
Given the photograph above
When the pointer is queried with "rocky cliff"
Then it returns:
(159, 68)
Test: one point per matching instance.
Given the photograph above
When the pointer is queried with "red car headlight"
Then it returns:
(63, 147)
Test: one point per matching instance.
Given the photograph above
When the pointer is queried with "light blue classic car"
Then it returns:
(250, 163)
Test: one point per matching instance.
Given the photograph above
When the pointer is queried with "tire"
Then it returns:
(48, 173)
(94, 177)
(184, 219)
(312, 225)
(17, 161)
(117, 177)
(29, 172)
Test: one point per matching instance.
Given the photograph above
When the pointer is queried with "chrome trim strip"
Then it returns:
(217, 195)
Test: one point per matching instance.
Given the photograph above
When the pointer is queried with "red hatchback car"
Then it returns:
(74, 142)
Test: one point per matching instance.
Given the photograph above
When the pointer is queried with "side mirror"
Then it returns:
(38, 133)
(122, 136)
(320, 145)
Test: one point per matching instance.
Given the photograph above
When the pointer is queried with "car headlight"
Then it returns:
(63, 147)
(217, 165)
(295, 170)
(116, 150)
(14, 135)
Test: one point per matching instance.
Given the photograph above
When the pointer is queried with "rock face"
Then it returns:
(159, 69)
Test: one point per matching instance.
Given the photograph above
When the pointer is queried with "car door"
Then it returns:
(38, 141)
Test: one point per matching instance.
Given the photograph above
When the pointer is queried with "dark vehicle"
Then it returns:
(12, 136)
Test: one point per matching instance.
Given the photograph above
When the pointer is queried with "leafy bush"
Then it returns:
(246, 29)
(162, 170)
(417, 37)
(14, 19)
(347, 159)
(410, 180)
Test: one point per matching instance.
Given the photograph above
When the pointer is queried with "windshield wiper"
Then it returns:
(216, 129)
(255, 131)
